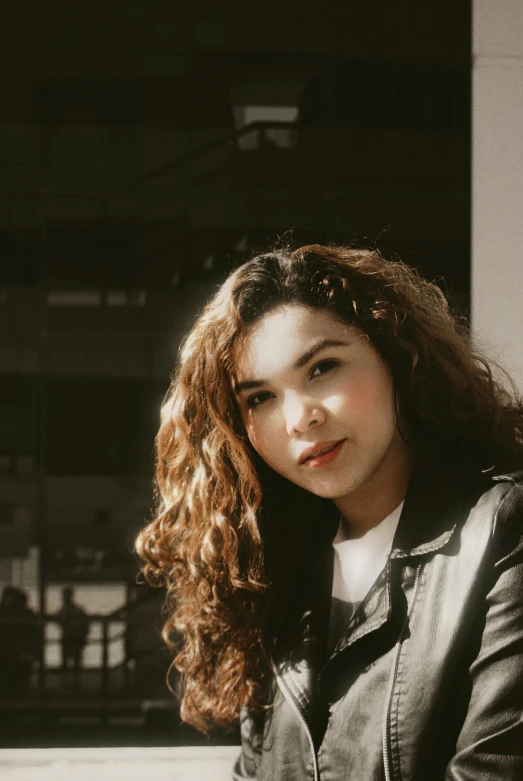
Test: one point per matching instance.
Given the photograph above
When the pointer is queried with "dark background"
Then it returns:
(146, 149)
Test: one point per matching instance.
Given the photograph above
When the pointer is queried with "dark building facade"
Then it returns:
(146, 149)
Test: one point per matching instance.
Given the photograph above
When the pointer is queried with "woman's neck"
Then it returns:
(371, 503)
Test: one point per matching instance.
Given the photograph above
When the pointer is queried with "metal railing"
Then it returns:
(33, 675)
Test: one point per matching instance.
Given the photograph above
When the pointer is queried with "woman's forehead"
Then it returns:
(284, 334)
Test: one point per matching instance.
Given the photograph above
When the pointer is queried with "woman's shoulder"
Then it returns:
(501, 489)
(507, 487)
(496, 511)
(463, 497)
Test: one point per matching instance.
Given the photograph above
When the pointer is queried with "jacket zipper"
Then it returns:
(386, 723)
(301, 716)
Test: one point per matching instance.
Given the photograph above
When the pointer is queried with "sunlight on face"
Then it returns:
(317, 402)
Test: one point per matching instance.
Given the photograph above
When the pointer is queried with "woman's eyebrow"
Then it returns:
(302, 361)
(248, 385)
(316, 348)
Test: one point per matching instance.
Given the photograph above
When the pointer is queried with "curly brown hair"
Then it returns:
(207, 544)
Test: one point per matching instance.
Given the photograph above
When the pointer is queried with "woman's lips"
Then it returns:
(326, 457)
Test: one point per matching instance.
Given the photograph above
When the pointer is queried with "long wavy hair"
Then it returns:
(210, 544)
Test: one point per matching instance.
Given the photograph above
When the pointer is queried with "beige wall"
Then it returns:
(497, 180)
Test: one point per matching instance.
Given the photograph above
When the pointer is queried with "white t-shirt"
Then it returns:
(357, 564)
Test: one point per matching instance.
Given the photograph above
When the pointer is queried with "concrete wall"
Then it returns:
(497, 183)
(131, 764)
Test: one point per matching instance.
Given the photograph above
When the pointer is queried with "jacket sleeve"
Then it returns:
(490, 745)
(251, 728)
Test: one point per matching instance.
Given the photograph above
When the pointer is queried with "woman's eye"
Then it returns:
(258, 398)
(322, 368)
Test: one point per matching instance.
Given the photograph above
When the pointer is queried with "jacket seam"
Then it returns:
(515, 488)
(510, 477)
(501, 515)
(396, 695)
(428, 547)
(369, 627)
(297, 691)
(348, 637)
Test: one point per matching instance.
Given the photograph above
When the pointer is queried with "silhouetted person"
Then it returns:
(75, 628)
(20, 642)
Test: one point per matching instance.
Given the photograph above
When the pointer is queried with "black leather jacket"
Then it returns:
(447, 628)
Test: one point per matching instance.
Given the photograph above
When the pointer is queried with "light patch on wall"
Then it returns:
(74, 298)
(279, 136)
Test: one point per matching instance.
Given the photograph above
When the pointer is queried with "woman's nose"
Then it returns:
(301, 414)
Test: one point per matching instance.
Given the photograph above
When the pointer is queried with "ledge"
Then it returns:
(109, 764)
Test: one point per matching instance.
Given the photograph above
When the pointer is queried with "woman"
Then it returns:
(340, 527)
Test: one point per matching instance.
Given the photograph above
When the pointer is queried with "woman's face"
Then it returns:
(317, 402)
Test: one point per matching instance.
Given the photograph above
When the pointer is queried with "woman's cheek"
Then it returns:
(353, 399)
(262, 434)
(255, 436)
(362, 398)
(370, 393)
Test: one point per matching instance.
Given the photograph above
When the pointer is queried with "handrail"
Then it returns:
(109, 680)
(235, 135)
(39, 622)
(148, 594)
(178, 163)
